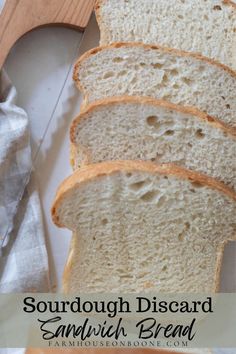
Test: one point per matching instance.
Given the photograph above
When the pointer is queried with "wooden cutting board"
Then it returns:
(21, 16)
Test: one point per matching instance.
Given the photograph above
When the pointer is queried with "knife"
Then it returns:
(72, 13)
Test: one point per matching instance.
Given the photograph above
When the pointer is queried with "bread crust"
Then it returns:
(148, 101)
(229, 2)
(98, 3)
(87, 173)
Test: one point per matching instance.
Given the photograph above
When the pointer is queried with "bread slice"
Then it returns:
(140, 227)
(133, 128)
(136, 69)
(203, 26)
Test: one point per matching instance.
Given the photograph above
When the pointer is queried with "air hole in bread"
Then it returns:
(199, 134)
(104, 221)
(203, 265)
(157, 65)
(108, 75)
(137, 185)
(210, 119)
(181, 234)
(190, 145)
(192, 190)
(134, 80)
(196, 184)
(169, 132)
(228, 106)
(143, 64)
(164, 268)
(165, 78)
(149, 196)
(201, 68)
(176, 86)
(174, 72)
(217, 7)
(117, 60)
(168, 98)
(128, 174)
(187, 81)
(153, 121)
(122, 73)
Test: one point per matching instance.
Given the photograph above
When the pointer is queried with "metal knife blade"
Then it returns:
(4, 237)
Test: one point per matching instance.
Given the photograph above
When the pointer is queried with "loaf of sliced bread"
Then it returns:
(203, 26)
(145, 70)
(139, 226)
(133, 128)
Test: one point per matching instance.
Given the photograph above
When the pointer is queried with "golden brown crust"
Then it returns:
(98, 3)
(97, 9)
(148, 101)
(72, 154)
(85, 174)
(229, 2)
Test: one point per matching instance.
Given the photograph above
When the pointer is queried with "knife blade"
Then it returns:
(4, 238)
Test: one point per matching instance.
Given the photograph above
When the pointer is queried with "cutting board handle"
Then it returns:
(21, 16)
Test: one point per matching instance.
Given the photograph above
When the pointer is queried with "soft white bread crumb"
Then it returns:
(133, 128)
(139, 227)
(203, 26)
(143, 70)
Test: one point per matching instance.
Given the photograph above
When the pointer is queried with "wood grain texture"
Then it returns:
(21, 16)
